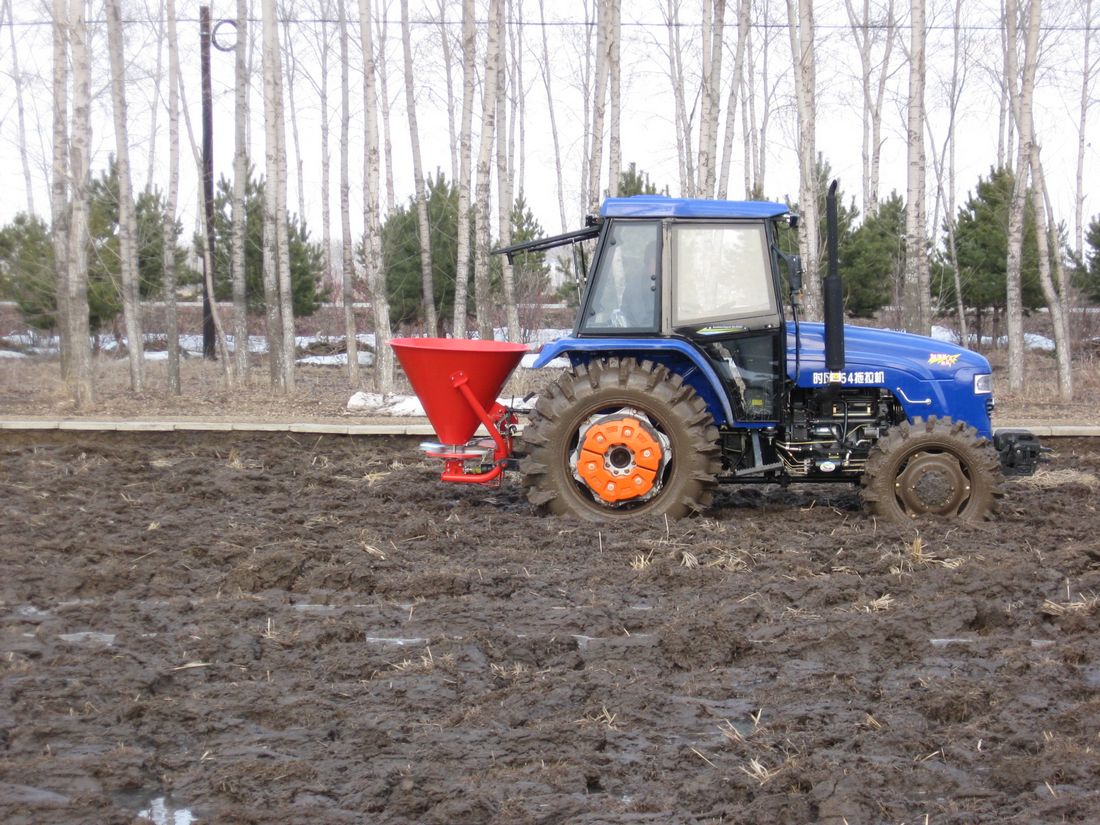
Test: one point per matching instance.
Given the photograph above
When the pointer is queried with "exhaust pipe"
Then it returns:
(833, 290)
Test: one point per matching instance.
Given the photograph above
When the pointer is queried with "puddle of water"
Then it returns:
(89, 636)
(385, 640)
(163, 812)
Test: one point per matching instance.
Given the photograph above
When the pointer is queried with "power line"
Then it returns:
(561, 24)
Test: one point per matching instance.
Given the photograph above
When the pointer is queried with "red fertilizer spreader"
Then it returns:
(457, 381)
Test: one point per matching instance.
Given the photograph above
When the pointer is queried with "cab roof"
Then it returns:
(660, 206)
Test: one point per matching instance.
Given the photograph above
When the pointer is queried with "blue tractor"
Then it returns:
(689, 367)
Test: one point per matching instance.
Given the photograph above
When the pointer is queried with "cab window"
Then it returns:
(722, 273)
(625, 288)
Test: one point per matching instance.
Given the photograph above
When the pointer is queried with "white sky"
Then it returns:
(648, 134)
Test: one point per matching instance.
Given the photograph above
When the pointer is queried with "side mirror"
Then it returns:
(794, 271)
(794, 277)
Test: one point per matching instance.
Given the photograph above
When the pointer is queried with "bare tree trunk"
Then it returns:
(615, 152)
(587, 98)
(676, 77)
(17, 78)
(159, 36)
(482, 297)
(1047, 237)
(127, 222)
(1088, 75)
(800, 22)
(76, 299)
(744, 11)
(347, 262)
(518, 100)
(599, 108)
(545, 69)
(1022, 114)
(276, 336)
(59, 183)
(876, 109)
(868, 31)
(423, 227)
(714, 12)
(448, 62)
(291, 74)
(326, 178)
(282, 228)
(171, 198)
(917, 296)
(376, 277)
(381, 64)
(505, 196)
(469, 46)
(240, 183)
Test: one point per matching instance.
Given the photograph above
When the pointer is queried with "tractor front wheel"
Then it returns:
(619, 438)
(932, 466)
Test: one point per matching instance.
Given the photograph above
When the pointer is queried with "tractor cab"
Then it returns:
(705, 272)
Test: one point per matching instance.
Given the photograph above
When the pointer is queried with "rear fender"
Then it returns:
(677, 355)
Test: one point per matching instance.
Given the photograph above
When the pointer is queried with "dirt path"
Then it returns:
(282, 629)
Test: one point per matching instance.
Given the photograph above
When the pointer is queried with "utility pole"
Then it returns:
(209, 350)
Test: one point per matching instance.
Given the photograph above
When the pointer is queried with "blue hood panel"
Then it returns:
(928, 377)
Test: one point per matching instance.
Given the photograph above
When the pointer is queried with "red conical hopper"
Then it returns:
(431, 364)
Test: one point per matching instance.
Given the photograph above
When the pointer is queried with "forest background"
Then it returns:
(403, 141)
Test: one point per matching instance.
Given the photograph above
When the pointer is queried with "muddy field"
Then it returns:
(276, 629)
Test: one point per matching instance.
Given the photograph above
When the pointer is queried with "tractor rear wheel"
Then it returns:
(619, 438)
(936, 467)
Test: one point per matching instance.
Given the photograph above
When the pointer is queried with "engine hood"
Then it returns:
(866, 348)
(928, 377)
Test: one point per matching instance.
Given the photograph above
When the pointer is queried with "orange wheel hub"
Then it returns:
(619, 459)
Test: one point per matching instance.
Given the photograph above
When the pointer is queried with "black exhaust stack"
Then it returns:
(833, 290)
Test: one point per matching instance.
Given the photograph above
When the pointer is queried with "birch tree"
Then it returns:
(347, 258)
(505, 176)
(599, 107)
(1022, 91)
(943, 162)
(290, 75)
(276, 321)
(677, 80)
(423, 227)
(800, 23)
(482, 222)
(59, 184)
(169, 226)
(469, 47)
(76, 283)
(240, 185)
(445, 49)
(1047, 237)
(127, 223)
(381, 68)
(376, 277)
(1090, 66)
(614, 69)
(17, 80)
(744, 12)
(544, 69)
(872, 31)
(714, 12)
(917, 303)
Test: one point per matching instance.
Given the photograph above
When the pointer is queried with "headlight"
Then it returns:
(983, 384)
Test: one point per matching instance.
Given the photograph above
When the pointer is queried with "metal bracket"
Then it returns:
(908, 400)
